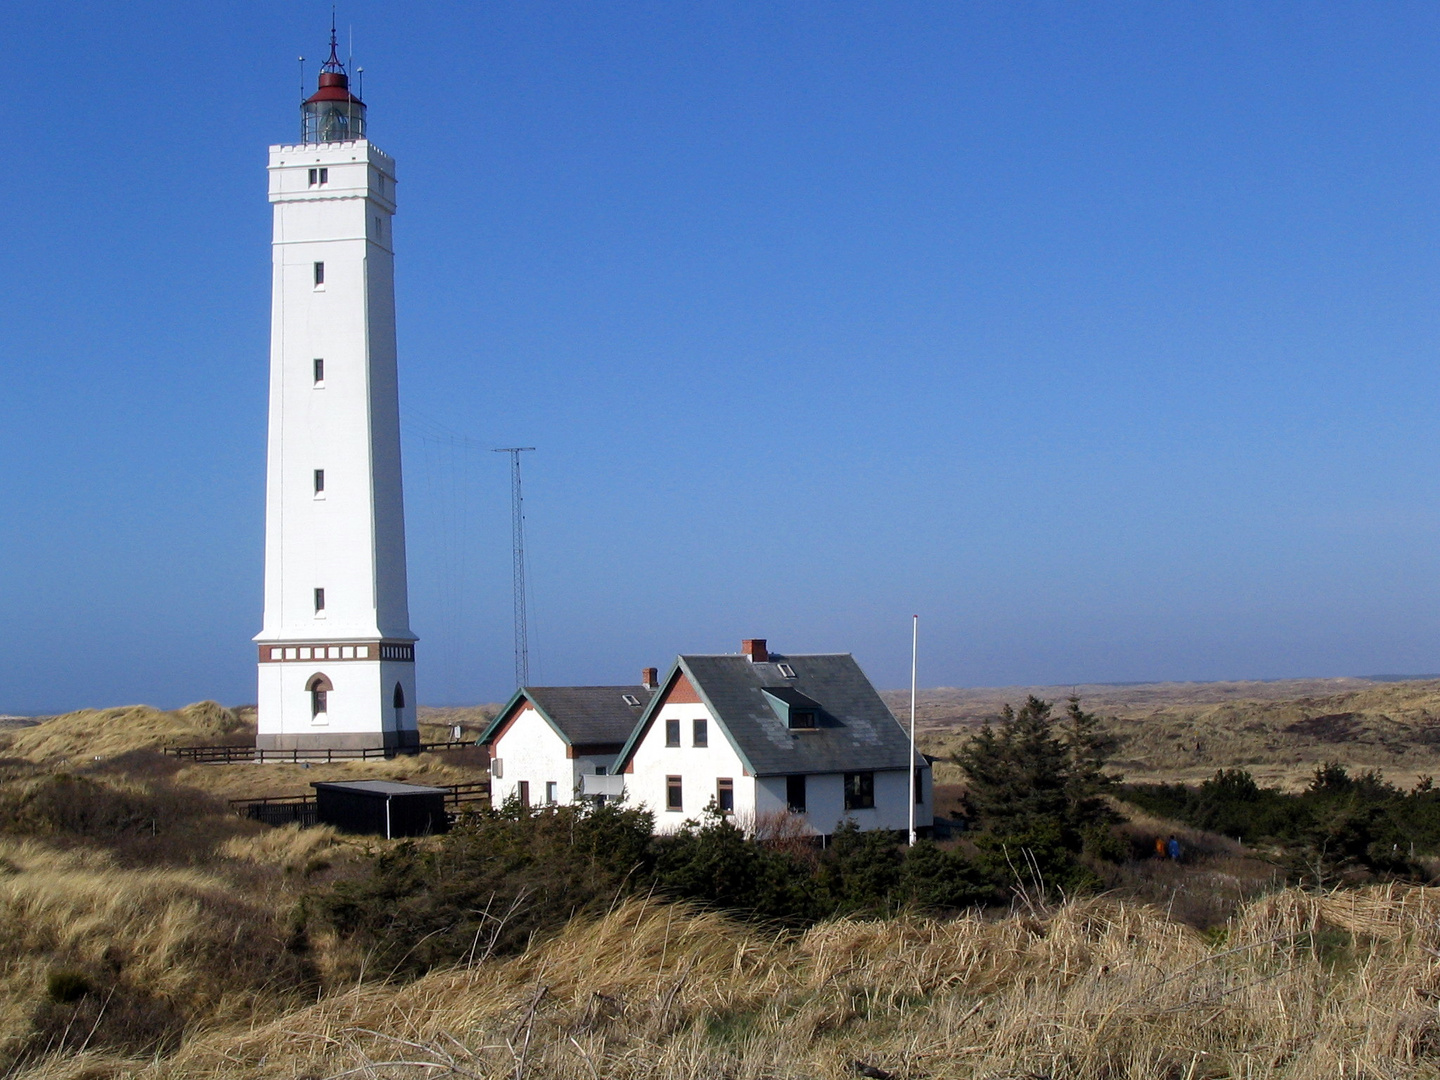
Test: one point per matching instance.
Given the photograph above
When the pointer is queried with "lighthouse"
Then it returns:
(336, 655)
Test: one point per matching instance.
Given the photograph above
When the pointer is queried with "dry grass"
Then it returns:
(153, 948)
(1301, 986)
(92, 734)
(191, 966)
(126, 743)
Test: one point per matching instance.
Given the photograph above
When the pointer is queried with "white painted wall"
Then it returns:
(351, 541)
(529, 749)
(825, 801)
(343, 725)
(699, 768)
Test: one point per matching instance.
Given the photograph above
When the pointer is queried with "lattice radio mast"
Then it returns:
(517, 546)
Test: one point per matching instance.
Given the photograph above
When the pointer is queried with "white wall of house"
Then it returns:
(698, 767)
(529, 749)
(825, 801)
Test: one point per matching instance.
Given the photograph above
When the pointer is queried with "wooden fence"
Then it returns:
(226, 755)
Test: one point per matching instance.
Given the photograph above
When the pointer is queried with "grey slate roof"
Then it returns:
(857, 732)
(581, 715)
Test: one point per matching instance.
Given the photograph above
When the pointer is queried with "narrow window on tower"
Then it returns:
(319, 372)
(319, 274)
(319, 601)
(319, 483)
(314, 177)
(324, 176)
(319, 687)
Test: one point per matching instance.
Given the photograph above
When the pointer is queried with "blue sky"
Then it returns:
(1103, 336)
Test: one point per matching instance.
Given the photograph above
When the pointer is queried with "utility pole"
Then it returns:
(914, 661)
(517, 548)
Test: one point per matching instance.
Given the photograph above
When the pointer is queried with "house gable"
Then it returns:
(678, 688)
(506, 717)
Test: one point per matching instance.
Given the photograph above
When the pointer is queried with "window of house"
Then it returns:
(673, 797)
(522, 793)
(319, 372)
(919, 785)
(319, 274)
(319, 601)
(630, 699)
(859, 791)
(672, 732)
(549, 792)
(786, 670)
(701, 732)
(804, 718)
(725, 795)
(795, 794)
(319, 481)
(600, 770)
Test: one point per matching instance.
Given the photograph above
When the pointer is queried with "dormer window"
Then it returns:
(798, 711)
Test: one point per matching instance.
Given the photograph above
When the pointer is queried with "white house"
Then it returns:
(549, 742)
(761, 735)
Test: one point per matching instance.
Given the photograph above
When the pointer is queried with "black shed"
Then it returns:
(381, 807)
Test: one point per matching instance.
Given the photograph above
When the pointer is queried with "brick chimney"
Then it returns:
(650, 678)
(755, 649)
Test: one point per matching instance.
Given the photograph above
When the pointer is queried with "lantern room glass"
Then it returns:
(331, 121)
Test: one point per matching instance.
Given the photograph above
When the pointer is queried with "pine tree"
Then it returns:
(1019, 772)
(1089, 750)
(1036, 787)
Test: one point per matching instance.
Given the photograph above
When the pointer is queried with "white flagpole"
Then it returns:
(914, 657)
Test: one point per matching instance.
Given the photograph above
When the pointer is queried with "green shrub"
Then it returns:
(66, 984)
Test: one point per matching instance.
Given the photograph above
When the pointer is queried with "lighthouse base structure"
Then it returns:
(349, 715)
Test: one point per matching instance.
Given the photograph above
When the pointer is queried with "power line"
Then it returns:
(517, 544)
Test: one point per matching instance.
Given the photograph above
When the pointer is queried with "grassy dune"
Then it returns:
(1298, 986)
(146, 932)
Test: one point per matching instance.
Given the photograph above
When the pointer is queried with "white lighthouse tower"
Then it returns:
(337, 658)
